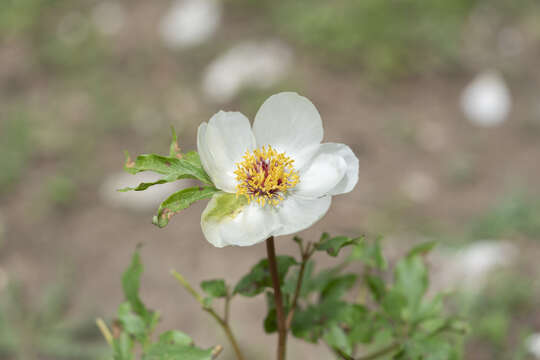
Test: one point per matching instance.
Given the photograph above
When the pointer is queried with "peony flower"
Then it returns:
(275, 178)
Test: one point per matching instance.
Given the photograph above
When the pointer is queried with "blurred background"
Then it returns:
(439, 100)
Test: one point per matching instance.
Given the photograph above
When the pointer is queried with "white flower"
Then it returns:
(276, 178)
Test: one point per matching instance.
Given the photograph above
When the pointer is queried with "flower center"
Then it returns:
(265, 176)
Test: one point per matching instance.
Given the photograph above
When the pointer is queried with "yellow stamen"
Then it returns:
(265, 176)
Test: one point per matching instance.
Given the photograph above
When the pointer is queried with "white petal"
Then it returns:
(350, 178)
(297, 214)
(248, 226)
(221, 144)
(322, 175)
(290, 123)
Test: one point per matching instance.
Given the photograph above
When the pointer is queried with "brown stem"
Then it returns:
(306, 254)
(282, 326)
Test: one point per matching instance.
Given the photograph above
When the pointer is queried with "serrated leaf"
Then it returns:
(179, 201)
(175, 337)
(422, 249)
(333, 245)
(176, 352)
(174, 168)
(259, 277)
(215, 288)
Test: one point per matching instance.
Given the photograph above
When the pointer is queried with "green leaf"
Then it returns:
(215, 288)
(132, 323)
(338, 286)
(411, 280)
(175, 337)
(174, 149)
(422, 249)
(358, 320)
(130, 284)
(180, 201)
(370, 253)
(122, 347)
(174, 168)
(176, 352)
(333, 245)
(259, 277)
(311, 323)
(393, 304)
(376, 286)
(337, 339)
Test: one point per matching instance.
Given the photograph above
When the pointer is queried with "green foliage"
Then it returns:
(179, 201)
(41, 326)
(332, 245)
(516, 214)
(215, 288)
(135, 325)
(14, 147)
(259, 277)
(174, 167)
(380, 35)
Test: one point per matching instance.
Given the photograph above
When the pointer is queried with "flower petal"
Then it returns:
(290, 123)
(297, 214)
(221, 144)
(350, 178)
(242, 225)
(322, 175)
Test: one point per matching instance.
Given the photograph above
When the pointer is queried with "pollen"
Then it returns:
(265, 176)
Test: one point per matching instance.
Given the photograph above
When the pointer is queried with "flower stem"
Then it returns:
(281, 321)
(306, 254)
(223, 322)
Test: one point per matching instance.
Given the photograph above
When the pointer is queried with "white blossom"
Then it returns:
(276, 177)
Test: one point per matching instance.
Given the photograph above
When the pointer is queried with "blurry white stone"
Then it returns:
(255, 64)
(486, 101)
(431, 136)
(190, 22)
(533, 345)
(109, 17)
(510, 42)
(72, 29)
(471, 266)
(419, 186)
(148, 199)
